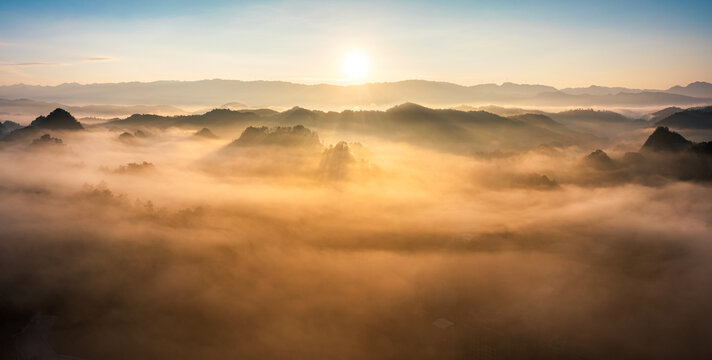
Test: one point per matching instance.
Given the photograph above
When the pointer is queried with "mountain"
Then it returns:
(284, 136)
(445, 129)
(11, 125)
(216, 118)
(546, 122)
(372, 95)
(644, 98)
(597, 122)
(696, 89)
(8, 127)
(539, 120)
(499, 110)
(590, 115)
(234, 105)
(205, 133)
(598, 90)
(46, 141)
(661, 114)
(23, 134)
(59, 119)
(26, 109)
(278, 151)
(664, 140)
(665, 155)
(702, 148)
(600, 160)
(695, 118)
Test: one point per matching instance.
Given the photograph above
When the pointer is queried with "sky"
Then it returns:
(637, 44)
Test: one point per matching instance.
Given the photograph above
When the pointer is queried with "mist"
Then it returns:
(336, 242)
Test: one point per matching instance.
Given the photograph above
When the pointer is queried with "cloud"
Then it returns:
(177, 263)
(30, 63)
(49, 63)
(99, 59)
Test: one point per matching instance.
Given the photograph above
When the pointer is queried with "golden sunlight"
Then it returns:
(355, 65)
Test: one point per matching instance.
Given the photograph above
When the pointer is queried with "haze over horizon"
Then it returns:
(352, 84)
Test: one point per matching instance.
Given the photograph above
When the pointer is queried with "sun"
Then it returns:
(355, 65)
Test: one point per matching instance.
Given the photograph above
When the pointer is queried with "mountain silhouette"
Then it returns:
(703, 148)
(446, 129)
(205, 133)
(59, 119)
(664, 140)
(286, 136)
(233, 105)
(539, 120)
(285, 94)
(216, 118)
(695, 118)
(47, 141)
(662, 114)
(597, 122)
(696, 89)
(34, 107)
(23, 134)
(598, 90)
(8, 127)
(600, 160)
(11, 125)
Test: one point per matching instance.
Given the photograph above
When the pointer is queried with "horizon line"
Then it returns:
(351, 84)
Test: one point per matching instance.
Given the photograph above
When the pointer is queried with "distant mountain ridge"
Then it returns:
(695, 118)
(696, 89)
(286, 94)
(25, 109)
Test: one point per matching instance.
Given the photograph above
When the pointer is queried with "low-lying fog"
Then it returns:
(172, 246)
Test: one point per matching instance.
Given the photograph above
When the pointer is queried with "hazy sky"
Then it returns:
(644, 44)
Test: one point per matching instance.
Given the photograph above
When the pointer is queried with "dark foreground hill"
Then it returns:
(59, 119)
(696, 118)
(665, 155)
(662, 139)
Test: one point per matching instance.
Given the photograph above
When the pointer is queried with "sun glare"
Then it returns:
(355, 65)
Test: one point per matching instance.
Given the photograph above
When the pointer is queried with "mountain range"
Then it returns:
(285, 94)
(469, 131)
(447, 129)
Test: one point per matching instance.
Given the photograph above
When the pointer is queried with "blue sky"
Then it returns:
(642, 44)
